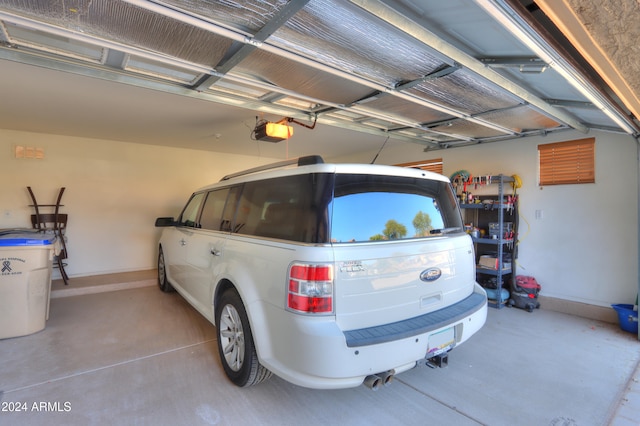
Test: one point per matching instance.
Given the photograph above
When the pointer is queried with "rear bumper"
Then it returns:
(315, 353)
(415, 326)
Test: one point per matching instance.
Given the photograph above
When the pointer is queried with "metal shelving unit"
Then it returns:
(481, 215)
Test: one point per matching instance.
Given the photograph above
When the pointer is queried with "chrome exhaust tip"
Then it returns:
(373, 382)
(387, 377)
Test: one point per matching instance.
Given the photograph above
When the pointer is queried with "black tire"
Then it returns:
(235, 342)
(163, 283)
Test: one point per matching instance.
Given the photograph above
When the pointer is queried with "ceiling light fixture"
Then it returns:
(267, 131)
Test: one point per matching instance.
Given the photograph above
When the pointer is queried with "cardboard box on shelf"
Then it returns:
(491, 262)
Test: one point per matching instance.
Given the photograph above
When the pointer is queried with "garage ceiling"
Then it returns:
(440, 74)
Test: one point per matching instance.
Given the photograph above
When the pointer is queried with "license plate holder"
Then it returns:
(441, 342)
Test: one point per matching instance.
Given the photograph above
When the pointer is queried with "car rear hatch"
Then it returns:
(400, 250)
(392, 282)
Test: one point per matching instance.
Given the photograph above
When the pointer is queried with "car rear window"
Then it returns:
(381, 208)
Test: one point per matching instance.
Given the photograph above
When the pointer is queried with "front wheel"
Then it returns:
(235, 342)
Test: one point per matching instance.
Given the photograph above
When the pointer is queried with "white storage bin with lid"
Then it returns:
(26, 260)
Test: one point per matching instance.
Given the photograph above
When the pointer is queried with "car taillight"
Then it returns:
(310, 288)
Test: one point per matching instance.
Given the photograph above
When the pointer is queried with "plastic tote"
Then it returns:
(627, 317)
(26, 261)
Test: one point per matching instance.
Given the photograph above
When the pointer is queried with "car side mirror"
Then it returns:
(165, 221)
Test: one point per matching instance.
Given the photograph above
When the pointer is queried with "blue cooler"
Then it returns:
(26, 260)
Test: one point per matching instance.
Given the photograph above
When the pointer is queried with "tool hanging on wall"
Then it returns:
(517, 183)
(459, 179)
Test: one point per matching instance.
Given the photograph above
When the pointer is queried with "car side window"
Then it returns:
(189, 216)
(291, 208)
(230, 210)
(211, 217)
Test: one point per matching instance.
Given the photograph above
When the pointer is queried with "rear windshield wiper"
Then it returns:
(445, 230)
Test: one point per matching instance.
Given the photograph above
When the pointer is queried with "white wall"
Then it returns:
(585, 248)
(114, 192)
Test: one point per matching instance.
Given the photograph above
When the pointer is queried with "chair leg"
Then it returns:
(65, 277)
(35, 206)
(63, 253)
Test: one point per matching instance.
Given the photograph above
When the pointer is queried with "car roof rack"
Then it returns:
(300, 161)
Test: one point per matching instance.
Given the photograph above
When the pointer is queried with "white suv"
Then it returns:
(327, 275)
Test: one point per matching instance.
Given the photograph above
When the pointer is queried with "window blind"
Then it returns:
(564, 163)
(434, 165)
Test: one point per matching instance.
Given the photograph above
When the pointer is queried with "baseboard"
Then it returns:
(103, 283)
(579, 309)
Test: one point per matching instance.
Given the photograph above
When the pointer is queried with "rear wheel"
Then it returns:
(163, 283)
(235, 342)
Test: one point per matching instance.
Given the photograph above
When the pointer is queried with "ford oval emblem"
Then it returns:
(431, 274)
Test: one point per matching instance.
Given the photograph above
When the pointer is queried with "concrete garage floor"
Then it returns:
(141, 357)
